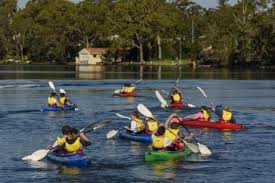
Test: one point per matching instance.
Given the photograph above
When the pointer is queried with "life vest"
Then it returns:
(60, 140)
(171, 136)
(139, 125)
(226, 116)
(158, 141)
(176, 97)
(152, 125)
(129, 89)
(52, 101)
(74, 146)
(62, 100)
(206, 115)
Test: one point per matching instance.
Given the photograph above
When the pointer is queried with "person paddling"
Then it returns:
(158, 138)
(52, 101)
(137, 125)
(74, 143)
(175, 96)
(202, 115)
(63, 99)
(172, 134)
(151, 126)
(128, 88)
(224, 113)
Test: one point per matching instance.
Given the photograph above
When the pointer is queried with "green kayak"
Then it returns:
(167, 155)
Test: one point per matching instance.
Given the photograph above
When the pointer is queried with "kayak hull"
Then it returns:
(146, 138)
(122, 94)
(167, 155)
(217, 124)
(56, 109)
(176, 105)
(76, 160)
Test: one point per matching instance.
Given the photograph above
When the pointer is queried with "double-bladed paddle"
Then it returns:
(41, 153)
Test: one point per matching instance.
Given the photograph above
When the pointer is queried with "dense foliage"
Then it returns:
(55, 30)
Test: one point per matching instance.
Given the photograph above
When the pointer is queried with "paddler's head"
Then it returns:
(135, 115)
(161, 130)
(226, 108)
(53, 94)
(150, 119)
(127, 84)
(203, 108)
(175, 125)
(66, 130)
(62, 92)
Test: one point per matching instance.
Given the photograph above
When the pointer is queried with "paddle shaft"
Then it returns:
(187, 129)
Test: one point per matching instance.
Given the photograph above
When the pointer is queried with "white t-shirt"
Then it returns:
(133, 126)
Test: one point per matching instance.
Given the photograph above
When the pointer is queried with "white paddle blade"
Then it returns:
(191, 105)
(163, 102)
(144, 111)
(138, 81)
(204, 150)
(39, 154)
(192, 147)
(76, 109)
(51, 85)
(122, 116)
(29, 157)
(111, 134)
(201, 90)
(117, 91)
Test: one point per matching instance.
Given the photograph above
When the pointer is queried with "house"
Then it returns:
(91, 56)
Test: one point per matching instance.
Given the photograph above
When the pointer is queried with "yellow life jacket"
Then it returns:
(171, 136)
(139, 124)
(74, 146)
(152, 125)
(158, 141)
(52, 101)
(129, 89)
(176, 97)
(206, 115)
(60, 140)
(62, 100)
(226, 116)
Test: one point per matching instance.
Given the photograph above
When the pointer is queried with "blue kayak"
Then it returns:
(147, 138)
(65, 108)
(77, 160)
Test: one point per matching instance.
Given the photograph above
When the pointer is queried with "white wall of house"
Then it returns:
(85, 57)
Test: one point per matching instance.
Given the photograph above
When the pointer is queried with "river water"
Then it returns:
(241, 156)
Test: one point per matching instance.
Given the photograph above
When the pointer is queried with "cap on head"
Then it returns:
(62, 91)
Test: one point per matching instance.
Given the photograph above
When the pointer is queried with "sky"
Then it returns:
(204, 3)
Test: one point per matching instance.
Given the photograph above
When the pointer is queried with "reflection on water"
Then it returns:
(136, 148)
(165, 169)
(64, 170)
(226, 135)
(126, 71)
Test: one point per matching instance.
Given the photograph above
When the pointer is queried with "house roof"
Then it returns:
(99, 51)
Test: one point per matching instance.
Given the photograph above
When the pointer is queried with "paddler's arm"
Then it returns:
(84, 140)
(169, 119)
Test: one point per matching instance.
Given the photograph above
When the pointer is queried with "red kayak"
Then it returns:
(206, 124)
(176, 105)
(123, 94)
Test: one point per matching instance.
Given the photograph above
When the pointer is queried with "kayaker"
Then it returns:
(158, 138)
(52, 101)
(224, 113)
(173, 137)
(175, 95)
(202, 115)
(75, 142)
(63, 99)
(128, 88)
(137, 125)
(152, 125)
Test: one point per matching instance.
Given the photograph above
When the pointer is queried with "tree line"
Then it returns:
(141, 30)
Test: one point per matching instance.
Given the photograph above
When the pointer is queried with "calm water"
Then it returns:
(244, 156)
